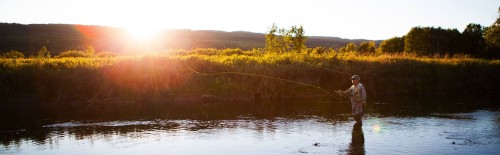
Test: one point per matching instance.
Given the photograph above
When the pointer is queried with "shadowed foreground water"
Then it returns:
(476, 132)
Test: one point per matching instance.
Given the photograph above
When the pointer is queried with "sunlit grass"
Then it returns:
(167, 74)
(239, 57)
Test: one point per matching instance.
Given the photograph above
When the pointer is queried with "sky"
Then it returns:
(351, 19)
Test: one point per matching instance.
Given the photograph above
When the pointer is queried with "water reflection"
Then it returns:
(357, 145)
(280, 128)
(50, 134)
(467, 133)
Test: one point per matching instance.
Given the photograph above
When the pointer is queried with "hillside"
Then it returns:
(60, 37)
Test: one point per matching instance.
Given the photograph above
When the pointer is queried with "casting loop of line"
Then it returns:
(265, 76)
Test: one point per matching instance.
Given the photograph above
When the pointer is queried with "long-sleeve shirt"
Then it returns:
(357, 93)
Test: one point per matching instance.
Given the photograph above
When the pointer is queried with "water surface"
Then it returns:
(476, 132)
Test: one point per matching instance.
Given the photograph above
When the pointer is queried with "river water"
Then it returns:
(471, 132)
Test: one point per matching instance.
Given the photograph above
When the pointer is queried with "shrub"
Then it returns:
(106, 55)
(43, 53)
(13, 55)
(231, 51)
(73, 54)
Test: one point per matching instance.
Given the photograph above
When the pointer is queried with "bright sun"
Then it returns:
(142, 33)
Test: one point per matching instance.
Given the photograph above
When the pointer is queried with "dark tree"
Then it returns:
(416, 41)
(393, 45)
(430, 40)
(473, 41)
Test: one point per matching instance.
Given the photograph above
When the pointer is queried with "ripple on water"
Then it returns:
(472, 133)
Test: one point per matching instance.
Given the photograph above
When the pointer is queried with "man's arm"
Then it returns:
(363, 94)
(343, 92)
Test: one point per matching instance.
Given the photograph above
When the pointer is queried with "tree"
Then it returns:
(430, 40)
(272, 39)
(286, 40)
(342, 49)
(298, 38)
(351, 47)
(372, 47)
(43, 53)
(393, 45)
(492, 33)
(472, 37)
(366, 47)
(492, 37)
(446, 41)
(363, 47)
(415, 41)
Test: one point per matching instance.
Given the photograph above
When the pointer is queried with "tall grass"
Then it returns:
(166, 77)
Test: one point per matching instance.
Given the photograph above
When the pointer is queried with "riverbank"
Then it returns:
(233, 75)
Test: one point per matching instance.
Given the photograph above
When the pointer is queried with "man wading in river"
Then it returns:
(357, 93)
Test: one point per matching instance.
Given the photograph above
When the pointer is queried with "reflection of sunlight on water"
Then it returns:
(376, 128)
(386, 135)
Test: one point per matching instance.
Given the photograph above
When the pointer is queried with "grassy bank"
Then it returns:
(171, 77)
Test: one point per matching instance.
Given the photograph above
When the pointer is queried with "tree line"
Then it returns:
(475, 40)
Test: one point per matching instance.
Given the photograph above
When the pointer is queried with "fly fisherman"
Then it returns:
(357, 93)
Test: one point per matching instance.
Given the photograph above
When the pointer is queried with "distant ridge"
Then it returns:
(60, 37)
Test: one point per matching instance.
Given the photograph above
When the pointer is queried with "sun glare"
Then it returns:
(142, 33)
(376, 128)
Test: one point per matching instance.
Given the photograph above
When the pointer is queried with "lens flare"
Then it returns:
(376, 128)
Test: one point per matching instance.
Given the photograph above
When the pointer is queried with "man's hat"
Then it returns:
(355, 77)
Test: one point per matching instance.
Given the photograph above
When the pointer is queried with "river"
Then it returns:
(470, 132)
